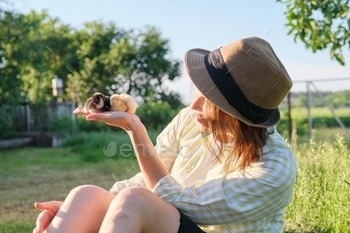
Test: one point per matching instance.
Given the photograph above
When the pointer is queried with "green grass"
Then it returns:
(321, 201)
(322, 134)
(42, 174)
(301, 113)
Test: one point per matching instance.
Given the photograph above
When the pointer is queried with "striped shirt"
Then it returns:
(252, 200)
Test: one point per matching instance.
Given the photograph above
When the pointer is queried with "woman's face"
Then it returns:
(198, 106)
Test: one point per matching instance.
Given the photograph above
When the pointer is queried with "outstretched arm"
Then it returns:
(150, 163)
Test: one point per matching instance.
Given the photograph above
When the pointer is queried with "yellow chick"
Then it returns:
(123, 102)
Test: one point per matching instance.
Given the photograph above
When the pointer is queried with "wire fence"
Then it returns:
(318, 87)
(29, 118)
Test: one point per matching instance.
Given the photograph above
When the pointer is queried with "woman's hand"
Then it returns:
(151, 165)
(49, 211)
(120, 119)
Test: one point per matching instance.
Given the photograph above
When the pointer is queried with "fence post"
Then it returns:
(28, 120)
(290, 126)
(309, 105)
(74, 117)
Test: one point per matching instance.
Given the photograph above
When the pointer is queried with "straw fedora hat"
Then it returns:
(245, 79)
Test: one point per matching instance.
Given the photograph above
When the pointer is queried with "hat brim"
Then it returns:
(194, 63)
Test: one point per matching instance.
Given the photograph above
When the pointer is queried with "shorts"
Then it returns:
(187, 225)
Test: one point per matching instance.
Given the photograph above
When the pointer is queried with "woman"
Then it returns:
(219, 166)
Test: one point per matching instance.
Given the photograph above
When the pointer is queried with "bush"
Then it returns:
(94, 146)
(60, 124)
(8, 122)
(64, 125)
(156, 115)
(91, 126)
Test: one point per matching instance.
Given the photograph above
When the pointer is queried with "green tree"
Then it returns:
(338, 99)
(91, 68)
(173, 98)
(320, 25)
(35, 47)
(116, 61)
(10, 57)
(156, 114)
(150, 65)
(48, 45)
(32, 49)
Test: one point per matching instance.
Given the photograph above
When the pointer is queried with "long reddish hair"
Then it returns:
(246, 141)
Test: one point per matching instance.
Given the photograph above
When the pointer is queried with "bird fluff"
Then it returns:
(99, 102)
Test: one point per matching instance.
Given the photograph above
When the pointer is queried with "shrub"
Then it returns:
(90, 126)
(60, 124)
(156, 115)
(94, 146)
(8, 122)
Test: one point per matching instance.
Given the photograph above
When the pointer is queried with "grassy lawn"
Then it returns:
(321, 200)
(43, 174)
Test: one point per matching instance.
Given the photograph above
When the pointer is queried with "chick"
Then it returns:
(123, 102)
(98, 102)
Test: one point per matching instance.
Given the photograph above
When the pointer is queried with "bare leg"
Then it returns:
(137, 209)
(82, 211)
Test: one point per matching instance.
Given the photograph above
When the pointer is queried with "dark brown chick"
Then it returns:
(98, 102)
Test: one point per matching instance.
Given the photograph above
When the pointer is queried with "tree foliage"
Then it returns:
(134, 62)
(320, 25)
(99, 57)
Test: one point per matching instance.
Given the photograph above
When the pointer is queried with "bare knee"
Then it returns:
(139, 209)
(84, 209)
(131, 197)
(133, 193)
(85, 190)
(88, 195)
(126, 210)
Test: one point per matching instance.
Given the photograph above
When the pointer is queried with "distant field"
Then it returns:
(324, 125)
(321, 202)
(320, 112)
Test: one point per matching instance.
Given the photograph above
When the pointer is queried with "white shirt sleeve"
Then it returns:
(240, 196)
(167, 149)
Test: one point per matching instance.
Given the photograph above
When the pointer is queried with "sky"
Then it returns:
(208, 25)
